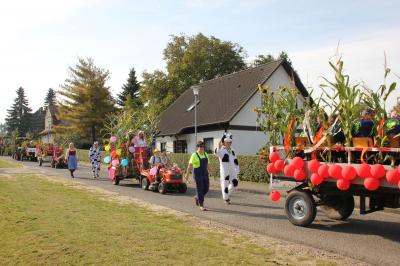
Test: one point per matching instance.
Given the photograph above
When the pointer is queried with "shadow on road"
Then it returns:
(255, 205)
(384, 229)
(249, 214)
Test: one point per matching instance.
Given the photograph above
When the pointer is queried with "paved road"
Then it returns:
(374, 238)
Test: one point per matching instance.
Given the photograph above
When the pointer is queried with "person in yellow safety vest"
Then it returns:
(201, 168)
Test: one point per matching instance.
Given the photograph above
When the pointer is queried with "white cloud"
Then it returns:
(363, 60)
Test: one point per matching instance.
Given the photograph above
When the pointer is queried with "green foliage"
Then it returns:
(251, 167)
(86, 100)
(344, 99)
(262, 59)
(190, 59)
(50, 98)
(19, 115)
(278, 108)
(130, 92)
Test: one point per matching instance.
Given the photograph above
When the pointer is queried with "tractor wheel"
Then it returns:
(144, 183)
(162, 188)
(182, 188)
(339, 207)
(40, 162)
(300, 208)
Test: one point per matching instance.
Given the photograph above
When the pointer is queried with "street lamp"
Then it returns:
(196, 90)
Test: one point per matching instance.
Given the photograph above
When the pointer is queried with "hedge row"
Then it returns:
(251, 167)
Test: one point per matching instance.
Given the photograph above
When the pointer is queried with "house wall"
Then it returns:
(48, 124)
(246, 117)
(244, 141)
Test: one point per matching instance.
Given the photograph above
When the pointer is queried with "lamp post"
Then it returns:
(196, 90)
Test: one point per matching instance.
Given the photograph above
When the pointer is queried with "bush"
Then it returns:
(251, 167)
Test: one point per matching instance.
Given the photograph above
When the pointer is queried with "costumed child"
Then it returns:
(95, 157)
(229, 166)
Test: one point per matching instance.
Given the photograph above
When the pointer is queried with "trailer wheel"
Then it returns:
(339, 207)
(300, 208)
(144, 183)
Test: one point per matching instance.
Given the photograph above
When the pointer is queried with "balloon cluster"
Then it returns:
(115, 157)
(372, 174)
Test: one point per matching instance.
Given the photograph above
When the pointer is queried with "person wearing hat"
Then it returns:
(95, 158)
(156, 161)
(229, 167)
(199, 164)
(365, 126)
(139, 141)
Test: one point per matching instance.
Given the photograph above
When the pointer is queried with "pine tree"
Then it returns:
(50, 98)
(130, 91)
(86, 100)
(19, 115)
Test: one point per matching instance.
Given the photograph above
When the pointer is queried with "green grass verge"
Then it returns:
(5, 164)
(49, 223)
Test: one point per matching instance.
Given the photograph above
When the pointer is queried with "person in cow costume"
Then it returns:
(95, 158)
(229, 166)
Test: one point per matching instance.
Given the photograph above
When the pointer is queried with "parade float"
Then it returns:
(125, 160)
(330, 171)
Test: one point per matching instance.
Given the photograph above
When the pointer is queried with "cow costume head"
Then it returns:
(227, 138)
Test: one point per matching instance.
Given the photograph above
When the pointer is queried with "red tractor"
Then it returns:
(166, 178)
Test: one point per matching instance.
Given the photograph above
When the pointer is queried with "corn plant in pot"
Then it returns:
(279, 115)
(343, 98)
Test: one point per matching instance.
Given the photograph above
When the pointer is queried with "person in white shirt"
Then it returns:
(139, 140)
(229, 167)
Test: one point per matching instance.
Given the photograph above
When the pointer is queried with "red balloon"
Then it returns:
(393, 176)
(364, 170)
(298, 163)
(288, 170)
(335, 171)
(299, 175)
(323, 171)
(371, 183)
(316, 179)
(279, 164)
(271, 168)
(274, 156)
(275, 195)
(343, 184)
(313, 166)
(113, 154)
(378, 171)
(348, 172)
(398, 184)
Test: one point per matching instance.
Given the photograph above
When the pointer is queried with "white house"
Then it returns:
(50, 121)
(224, 104)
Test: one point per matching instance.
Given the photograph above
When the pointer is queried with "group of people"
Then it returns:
(200, 167)
(366, 127)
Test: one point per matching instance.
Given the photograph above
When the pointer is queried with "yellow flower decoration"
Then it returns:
(260, 87)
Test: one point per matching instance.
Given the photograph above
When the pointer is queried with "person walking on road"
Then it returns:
(199, 163)
(229, 167)
(72, 159)
(95, 158)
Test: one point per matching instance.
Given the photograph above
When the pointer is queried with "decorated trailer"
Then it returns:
(335, 184)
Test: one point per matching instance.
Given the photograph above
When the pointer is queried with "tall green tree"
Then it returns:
(130, 91)
(86, 100)
(50, 98)
(191, 59)
(19, 115)
(262, 59)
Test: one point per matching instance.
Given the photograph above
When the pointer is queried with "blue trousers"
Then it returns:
(202, 187)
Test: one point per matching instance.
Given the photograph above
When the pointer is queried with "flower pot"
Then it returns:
(393, 142)
(301, 142)
(362, 142)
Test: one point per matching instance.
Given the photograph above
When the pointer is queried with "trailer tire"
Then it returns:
(339, 207)
(144, 183)
(116, 180)
(162, 188)
(300, 208)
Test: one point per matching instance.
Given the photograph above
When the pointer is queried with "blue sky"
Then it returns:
(40, 39)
